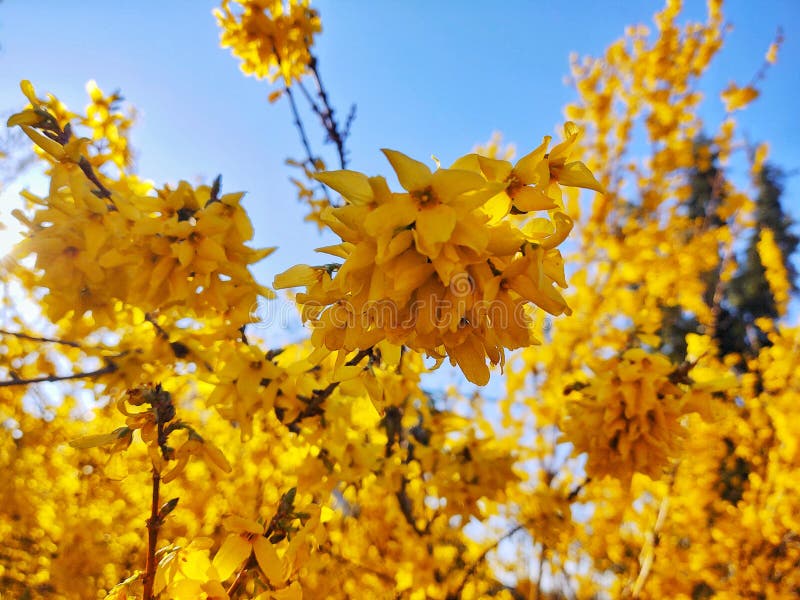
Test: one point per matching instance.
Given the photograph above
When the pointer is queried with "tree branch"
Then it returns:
(474, 566)
(109, 368)
(153, 524)
(33, 338)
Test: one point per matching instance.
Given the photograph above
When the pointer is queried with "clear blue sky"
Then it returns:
(428, 78)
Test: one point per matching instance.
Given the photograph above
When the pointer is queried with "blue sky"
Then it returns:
(428, 78)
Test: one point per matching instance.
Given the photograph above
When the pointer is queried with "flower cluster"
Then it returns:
(155, 423)
(95, 246)
(450, 265)
(271, 38)
(774, 270)
(628, 416)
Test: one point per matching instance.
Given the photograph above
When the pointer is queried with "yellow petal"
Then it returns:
(26, 117)
(497, 207)
(399, 212)
(526, 166)
(233, 552)
(216, 456)
(296, 276)
(209, 249)
(494, 169)
(92, 441)
(529, 199)
(577, 174)
(27, 89)
(471, 358)
(468, 162)
(268, 560)
(436, 224)
(736, 98)
(239, 524)
(339, 250)
(412, 174)
(52, 147)
(352, 185)
(293, 592)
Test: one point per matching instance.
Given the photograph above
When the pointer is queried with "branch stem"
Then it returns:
(109, 368)
(153, 524)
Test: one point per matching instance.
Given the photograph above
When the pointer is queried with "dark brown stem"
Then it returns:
(407, 509)
(312, 160)
(85, 166)
(109, 368)
(314, 403)
(474, 566)
(153, 524)
(239, 581)
(33, 338)
(328, 121)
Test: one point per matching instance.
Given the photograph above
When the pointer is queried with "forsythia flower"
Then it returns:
(449, 266)
(774, 269)
(736, 98)
(272, 38)
(181, 247)
(628, 416)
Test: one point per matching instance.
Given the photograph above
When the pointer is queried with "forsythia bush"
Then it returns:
(645, 446)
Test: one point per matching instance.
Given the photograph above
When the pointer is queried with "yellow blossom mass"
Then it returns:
(443, 267)
(159, 439)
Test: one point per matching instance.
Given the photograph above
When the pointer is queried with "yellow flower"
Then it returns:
(736, 98)
(271, 38)
(429, 268)
(627, 417)
(246, 537)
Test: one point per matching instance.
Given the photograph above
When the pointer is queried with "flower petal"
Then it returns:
(268, 560)
(399, 212)
(352, 185)
(526, 166)
(577, 174)
(412, 174)
(436, 224)
(529, 199)
(471, 357)
(233, 552)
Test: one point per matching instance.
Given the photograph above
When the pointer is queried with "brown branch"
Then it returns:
(539, 572)
(153, 524)
(408, 510)
(298, 123)
(164, 410)
(314, 403)
(159, 330)
(251, 563)
(33, 338)
(328, 120)
(109, 368)
(474, 566)
(101, 191)
(52, 130)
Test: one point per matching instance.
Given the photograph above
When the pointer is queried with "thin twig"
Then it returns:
(153, 524)
(312, 160)
(474, 566)
(85, 166)
(33, 338)
(314, 403)
(237, 583)
(109, 368)
(328, 121)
